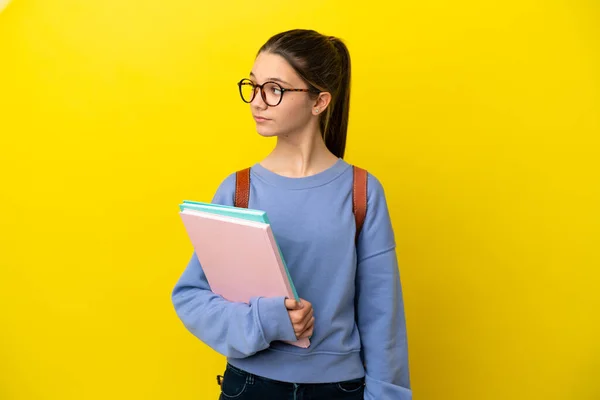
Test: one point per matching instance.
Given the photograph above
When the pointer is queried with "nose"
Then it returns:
(258, 101)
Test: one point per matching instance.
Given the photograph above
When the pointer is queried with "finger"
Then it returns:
(299, 330)
(296, 316)
(299, 319)
(309, 325)
(306, 318)
(292, 304)
(305, 303)
(301, 325)
(309, 330)
(305, 308)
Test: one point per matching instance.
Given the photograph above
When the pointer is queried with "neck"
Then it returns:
(300, 155)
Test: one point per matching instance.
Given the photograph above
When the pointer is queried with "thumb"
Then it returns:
(292, 304)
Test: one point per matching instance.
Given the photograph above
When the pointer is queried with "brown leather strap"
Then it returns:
(242, 188)
(359, 198)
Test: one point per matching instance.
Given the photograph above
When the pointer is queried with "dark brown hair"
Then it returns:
(324, 63)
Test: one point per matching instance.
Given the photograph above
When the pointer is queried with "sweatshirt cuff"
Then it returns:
(378, 390)
(274, 319)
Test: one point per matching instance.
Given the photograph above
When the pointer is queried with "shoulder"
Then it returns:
(375, 188)
(228, 181)
(225, 192)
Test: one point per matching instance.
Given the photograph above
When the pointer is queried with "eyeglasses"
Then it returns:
(271, 92)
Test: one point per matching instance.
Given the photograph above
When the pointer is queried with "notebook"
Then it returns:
(237, 212)
(240, 257)
(245, 213)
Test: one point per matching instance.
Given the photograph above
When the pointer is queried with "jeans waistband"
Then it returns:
(257, 377)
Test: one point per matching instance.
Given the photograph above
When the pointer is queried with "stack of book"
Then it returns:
(238, 252)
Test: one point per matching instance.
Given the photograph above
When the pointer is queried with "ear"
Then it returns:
(321, 103)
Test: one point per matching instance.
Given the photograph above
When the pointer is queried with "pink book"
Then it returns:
(240, 258)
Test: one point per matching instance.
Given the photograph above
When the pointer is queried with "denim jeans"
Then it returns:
(241, 385)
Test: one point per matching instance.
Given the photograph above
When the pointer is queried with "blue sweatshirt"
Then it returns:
(355, 290)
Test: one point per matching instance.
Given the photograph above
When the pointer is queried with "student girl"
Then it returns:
(343, 264)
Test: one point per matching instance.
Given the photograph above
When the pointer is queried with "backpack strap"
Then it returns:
(242, 188)
(359, 198)
(359, 194)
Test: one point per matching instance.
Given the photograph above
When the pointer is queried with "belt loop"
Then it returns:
(249, 379)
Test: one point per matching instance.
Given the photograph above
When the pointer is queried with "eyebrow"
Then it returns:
(273, 79)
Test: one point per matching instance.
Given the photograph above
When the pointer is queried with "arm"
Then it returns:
(235, 330)
(380, 306)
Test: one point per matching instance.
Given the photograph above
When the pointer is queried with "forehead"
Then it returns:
(269, 65)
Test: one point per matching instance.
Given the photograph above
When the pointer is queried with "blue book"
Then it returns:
(228, 211)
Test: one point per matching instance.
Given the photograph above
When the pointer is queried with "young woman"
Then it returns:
(351, 307)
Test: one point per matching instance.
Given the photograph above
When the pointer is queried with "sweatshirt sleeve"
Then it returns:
(236, 330)
(380, 306)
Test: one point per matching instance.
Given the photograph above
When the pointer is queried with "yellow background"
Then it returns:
(480, 118)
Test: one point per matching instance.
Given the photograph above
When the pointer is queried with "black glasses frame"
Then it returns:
(249, 82)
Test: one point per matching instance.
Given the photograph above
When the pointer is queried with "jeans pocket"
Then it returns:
(234, 383)
(352, 386)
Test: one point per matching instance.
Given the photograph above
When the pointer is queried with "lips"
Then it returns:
(258, 118)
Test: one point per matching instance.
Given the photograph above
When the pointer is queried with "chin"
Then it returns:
(265, 132)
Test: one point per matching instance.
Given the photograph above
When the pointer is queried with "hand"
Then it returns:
(301, 315)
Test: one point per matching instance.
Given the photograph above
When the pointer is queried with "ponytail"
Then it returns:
(335, 124)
